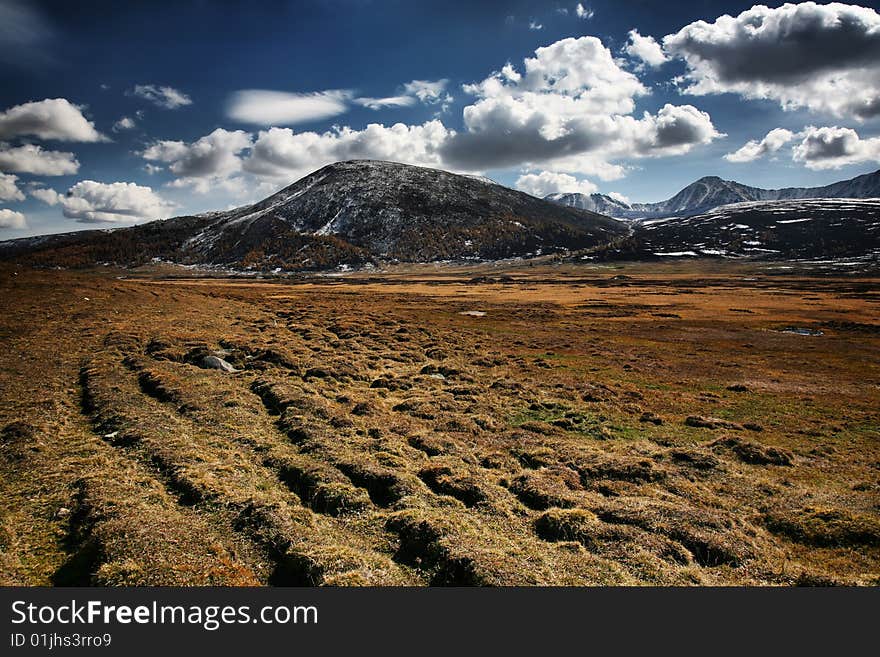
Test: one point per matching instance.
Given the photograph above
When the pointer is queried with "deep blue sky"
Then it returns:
(92, 53)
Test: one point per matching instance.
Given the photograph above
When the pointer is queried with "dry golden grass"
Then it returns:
(644, 425)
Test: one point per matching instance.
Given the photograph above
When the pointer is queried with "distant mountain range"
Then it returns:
(712, 192)
(345, 214)
(351, 214)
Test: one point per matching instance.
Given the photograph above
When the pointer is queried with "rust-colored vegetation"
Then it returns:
(638, 425)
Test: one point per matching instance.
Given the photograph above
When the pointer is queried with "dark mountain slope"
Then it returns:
(347, 213)
(403, 212)
(815, 229)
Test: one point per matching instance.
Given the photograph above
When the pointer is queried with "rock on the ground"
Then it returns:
(217, 363)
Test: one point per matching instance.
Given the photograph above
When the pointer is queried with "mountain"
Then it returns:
(601, 203)
(712, 192)
(831, 230)
(348, 213)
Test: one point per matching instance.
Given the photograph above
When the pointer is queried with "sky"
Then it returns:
(118, 113)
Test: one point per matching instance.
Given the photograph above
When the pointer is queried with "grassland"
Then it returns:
(650, 424)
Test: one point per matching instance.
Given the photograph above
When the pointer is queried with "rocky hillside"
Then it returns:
(401, 212)
(348, 213)
(830, 230)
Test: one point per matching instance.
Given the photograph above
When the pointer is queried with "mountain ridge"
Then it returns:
(347, 214)
(710, 192)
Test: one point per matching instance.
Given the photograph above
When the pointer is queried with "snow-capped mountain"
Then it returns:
(351, 213)
(601, 203)
(711, 192)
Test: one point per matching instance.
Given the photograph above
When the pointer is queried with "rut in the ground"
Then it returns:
(208, 468)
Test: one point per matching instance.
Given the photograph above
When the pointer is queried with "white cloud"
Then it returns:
(617, 196)
(822, 57)
(164, 97)
(236, 162)
(46, 195)
(391, 101)
(125, 123)
(584, 13)
(551, 182)
(509, 73)
(261, 107)
(119, 202)
(52, 118)
(646, 49)
(829, 147)
(753, 149)
(535, 26)
(430, 92)
(204, 162)
(674, 130)
(9, 191)
(834, 147)
(283, 154)
(12, 219)
(31, 158)
(153, 169)
(569, 111)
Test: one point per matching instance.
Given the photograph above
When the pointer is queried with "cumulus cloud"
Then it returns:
(119, 202)
(829, 147)
(9, 191)
(52, 118)
(164, 97)
(551, 182)
(571, 110)
(12, 219)
(236, 161)
(283, 154)
(535, 26)
(204, 162)
(391, 101)
(822, 57)
(834, 147)
(646, 49)
(673, 131)
(31, 158)
(753, 149)
(266, 108)
(584, 13)
(125, 123)
(46, 195)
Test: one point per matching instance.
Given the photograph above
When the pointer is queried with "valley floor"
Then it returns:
(645, 424)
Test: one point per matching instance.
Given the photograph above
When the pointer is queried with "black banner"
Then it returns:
(416, 621)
